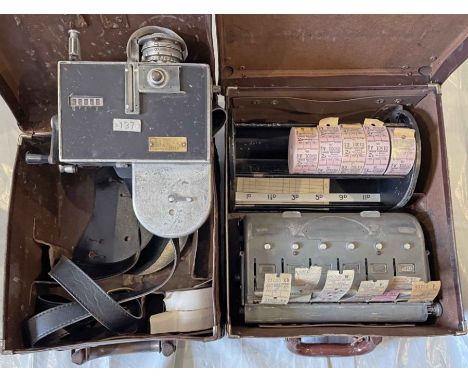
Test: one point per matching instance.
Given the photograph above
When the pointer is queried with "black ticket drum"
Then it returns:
(263, 180)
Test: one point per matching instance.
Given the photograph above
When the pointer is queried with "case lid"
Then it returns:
(31, 46)
(340, 50)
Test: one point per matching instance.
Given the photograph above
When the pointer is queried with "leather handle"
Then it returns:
(359, 346)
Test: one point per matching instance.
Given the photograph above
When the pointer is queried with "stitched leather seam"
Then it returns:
(58, 326)
(51, 310)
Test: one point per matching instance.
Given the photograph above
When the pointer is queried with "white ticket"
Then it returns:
(276, 289)
(403, 151)
(424, 292)
(354, 149)
(305, 280)
(369, 289)
(378, 147)
(336, 286)
(303, 150)
(331, 148)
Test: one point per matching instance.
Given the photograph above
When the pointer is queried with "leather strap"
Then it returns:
(91, 300)
(91, 297)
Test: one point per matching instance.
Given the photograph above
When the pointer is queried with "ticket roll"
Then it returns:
(371, 148)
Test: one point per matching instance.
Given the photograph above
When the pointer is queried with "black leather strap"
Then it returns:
(91, 300)
(91, 297)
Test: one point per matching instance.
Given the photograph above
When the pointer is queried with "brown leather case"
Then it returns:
(287, 68)
(274, 68)
(55, 207)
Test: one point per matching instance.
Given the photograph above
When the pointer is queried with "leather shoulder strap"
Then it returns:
(91, 297)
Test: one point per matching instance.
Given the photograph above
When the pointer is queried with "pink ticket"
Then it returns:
(388, 296)
(403, 151)
(303, 151)
(331, 149)
(354, 149)
(378, 149)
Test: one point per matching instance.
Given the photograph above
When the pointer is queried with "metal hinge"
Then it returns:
(436, 86)
(463, 330)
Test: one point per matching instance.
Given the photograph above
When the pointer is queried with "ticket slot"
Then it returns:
(365, 269)
(373, 246)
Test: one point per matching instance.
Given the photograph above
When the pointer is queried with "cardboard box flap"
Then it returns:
(340, 50)
(31, 45)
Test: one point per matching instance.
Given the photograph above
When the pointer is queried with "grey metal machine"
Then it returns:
(375, 246)
(150, 118)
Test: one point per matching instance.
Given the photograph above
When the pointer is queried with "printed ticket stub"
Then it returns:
(388, 296)
(369, 289)
(331, 147)
(303, 152)
(378, 147)
(304, 282)
(354, 149)
(336, 286)
(402, 282)
(424, 292)
(403, 151)
(276, 289)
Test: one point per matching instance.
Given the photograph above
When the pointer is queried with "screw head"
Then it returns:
(350, 246)
(378, 246)
(323, 246)
(267, 246)
(295, 246)
(407, 246)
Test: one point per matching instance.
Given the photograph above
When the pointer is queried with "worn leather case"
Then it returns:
(50, 207)
(271, 68)
(302, 68)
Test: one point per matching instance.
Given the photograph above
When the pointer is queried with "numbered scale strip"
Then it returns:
(309, 198)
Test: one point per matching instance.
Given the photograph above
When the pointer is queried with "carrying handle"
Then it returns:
(81, 356)
(358, 346)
